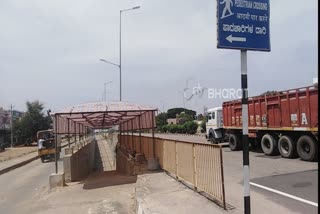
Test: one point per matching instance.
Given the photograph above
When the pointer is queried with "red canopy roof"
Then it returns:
(98, 115)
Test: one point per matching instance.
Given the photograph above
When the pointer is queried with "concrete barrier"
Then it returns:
(124, 164)
(80, 163)
(68, 151)
(56, 180)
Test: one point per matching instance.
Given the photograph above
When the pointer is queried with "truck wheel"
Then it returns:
(269, 145)
(42, 159)
(234, 142)
(213, 140)
(287, 147)
(210, 139)
(307, 148)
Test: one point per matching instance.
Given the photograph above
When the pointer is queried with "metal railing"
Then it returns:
(198, 165)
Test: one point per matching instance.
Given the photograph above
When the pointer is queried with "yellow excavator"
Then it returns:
(46, 145)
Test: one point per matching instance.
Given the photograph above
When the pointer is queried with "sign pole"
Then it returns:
(244, 27)
(246, 169)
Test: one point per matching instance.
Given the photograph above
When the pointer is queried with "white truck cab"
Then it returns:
(214, 125)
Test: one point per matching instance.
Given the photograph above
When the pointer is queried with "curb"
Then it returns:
(2, 171)
(17, 165)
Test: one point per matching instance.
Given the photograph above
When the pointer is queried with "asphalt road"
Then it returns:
(290, 176)
(19, 187)
(303, 185)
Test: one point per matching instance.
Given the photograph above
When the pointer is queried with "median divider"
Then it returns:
(23, 160)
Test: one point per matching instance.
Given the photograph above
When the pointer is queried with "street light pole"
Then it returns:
(105, 90)
(184, 105)
(120, 48)
(120, 59)
(120, 66)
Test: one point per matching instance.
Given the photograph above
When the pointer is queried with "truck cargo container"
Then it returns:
(284, 122)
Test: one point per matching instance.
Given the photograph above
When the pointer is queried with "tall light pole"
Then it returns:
(105, 90)
(120, 65)
(121, 11)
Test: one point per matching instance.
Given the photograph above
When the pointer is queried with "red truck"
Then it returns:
(284, 122)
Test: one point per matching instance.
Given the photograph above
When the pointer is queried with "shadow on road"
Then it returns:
(106, 179)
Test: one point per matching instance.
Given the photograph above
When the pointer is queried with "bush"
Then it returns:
(203, 126)
(191, 127)
(181, 129)
(164, 128)
(173, 128)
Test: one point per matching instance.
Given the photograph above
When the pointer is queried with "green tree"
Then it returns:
(203, 126)
(33, 121)
(172, 113)
(183, 118)
(200, 117)
(161, 119)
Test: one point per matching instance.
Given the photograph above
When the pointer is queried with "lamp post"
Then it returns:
(105, 90)
(120, 65)
(184, 105)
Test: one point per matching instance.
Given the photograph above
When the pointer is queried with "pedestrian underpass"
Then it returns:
(126, 152)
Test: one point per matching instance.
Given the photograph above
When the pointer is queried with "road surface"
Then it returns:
(21, 185)
(289, 183)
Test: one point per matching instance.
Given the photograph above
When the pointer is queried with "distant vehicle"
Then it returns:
(284, 122)
(48, 151)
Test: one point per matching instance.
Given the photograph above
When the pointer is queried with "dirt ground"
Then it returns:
(107, 193)
(15, 152)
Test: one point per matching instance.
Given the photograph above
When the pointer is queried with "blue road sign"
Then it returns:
(244, 24)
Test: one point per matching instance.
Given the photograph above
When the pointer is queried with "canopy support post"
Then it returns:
(68, 132)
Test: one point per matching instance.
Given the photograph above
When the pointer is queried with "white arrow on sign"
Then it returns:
(231, 39)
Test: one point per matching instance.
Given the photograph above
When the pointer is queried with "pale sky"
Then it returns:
(50, 51)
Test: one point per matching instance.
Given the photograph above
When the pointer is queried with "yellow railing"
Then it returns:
(198, 165)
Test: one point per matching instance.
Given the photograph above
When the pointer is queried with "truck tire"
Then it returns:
(211, 139)
(42, 159)
(269, 145)
(287, 147)
(234, 142)
(307, 148)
